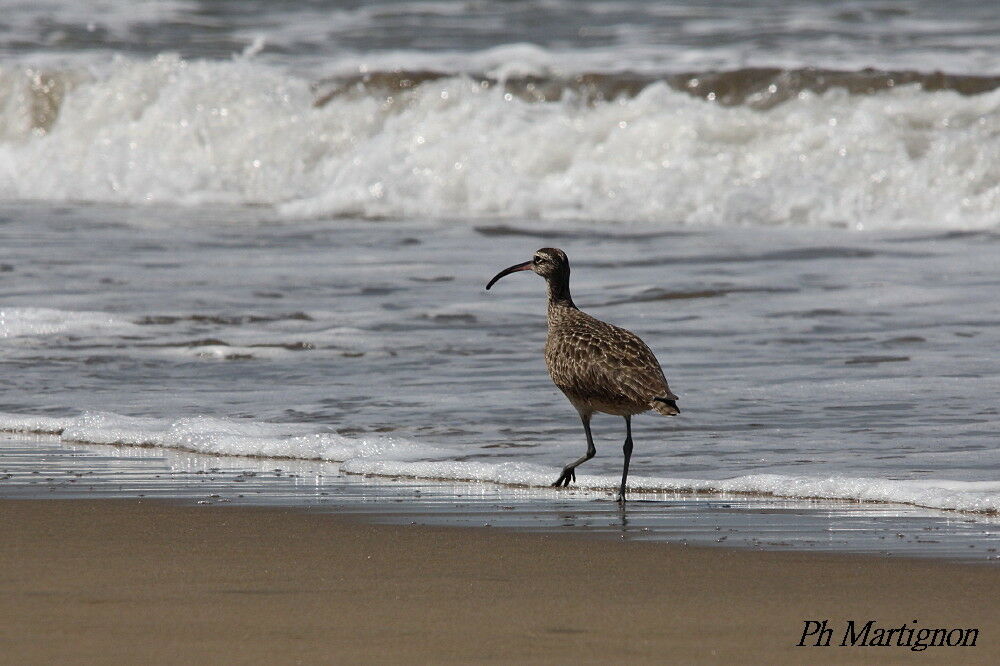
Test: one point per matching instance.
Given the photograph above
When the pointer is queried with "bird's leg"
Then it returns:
(569, 471)
(627, 449)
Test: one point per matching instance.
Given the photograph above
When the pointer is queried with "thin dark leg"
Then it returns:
(627, 449)
(569, 471)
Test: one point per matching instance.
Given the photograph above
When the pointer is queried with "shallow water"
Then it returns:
(40, 468)
(809, 363)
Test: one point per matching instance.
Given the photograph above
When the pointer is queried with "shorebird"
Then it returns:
(599, 367)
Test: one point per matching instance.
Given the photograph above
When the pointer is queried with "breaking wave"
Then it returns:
(866, 149)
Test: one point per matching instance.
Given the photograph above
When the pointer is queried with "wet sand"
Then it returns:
(98, 581)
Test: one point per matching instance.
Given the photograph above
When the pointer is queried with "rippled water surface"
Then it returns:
(807, 363)
(264, 229)
(629, 34)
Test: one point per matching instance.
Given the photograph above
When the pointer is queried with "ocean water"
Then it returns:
(267, 233)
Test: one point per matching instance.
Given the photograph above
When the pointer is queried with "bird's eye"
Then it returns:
(536, 260)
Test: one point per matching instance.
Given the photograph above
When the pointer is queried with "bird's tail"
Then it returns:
(665, 406)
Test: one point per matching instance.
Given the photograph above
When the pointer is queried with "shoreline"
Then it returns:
(97, 580)
(33, 468)
(640, 492)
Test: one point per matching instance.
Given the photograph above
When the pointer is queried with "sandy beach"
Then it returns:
(111, 581)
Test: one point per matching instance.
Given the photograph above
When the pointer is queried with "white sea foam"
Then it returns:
(172, 131)
(16, 322)
(32, 423)
(399, 457)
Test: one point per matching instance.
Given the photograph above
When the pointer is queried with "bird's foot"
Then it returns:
(621, 497)
(568, 474)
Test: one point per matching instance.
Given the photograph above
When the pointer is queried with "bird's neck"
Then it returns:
(559, 296)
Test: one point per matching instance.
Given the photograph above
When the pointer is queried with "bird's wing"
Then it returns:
(635, 367)
(597, 359)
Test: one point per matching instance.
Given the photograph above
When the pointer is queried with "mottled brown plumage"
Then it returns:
(603, 368)
(599, 367)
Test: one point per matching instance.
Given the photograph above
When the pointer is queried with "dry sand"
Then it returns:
(112, 581)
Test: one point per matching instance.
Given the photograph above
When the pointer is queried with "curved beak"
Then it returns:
(526, 266)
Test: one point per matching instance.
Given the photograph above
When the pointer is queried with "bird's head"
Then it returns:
(549, 262)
